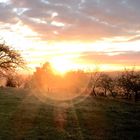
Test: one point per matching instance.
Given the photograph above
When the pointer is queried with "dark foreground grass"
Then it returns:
(24, 117)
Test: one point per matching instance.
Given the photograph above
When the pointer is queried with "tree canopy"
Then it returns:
(10, 58)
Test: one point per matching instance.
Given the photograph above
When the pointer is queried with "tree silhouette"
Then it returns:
(106, 83)
(129, 81)
(10, 58)
(94, 82)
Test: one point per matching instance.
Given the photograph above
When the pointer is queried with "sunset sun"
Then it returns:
(61, 65)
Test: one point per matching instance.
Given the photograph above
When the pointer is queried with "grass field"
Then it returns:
(25, 117)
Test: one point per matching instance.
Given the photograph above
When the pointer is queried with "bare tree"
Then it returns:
(11, 81)
(106, 83)
(129, 81)
(94, 82)
(15, 80)
(9, 58)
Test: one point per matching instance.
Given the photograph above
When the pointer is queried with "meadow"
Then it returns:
(23, 116)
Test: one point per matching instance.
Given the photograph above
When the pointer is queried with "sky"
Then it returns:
(73, 34)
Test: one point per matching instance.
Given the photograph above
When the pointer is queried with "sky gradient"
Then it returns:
(74, 34)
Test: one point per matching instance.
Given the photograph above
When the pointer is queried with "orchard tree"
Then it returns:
(106, 83)
(129, 81)
(94, 82)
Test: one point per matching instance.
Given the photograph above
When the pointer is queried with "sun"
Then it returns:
(61, 64)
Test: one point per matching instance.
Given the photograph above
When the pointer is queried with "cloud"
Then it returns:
(134, 38)
(118, 58)
(86, 20)
(6, 14)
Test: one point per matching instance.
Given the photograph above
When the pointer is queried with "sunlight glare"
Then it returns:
(61, 64)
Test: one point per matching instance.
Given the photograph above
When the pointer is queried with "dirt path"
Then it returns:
(60, 116)
(75, 117)
(61, 119)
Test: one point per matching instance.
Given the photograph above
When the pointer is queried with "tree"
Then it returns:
(94, 82)
(15, 80)
(9, 58)
(129, 81)
(106, 84)
(43, 77)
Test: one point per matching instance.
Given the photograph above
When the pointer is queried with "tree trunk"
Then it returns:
(136, 96)
(105, 92)
(93, 93)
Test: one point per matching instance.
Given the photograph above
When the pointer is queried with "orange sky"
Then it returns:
(76, 34)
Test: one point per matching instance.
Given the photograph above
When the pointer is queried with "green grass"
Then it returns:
(24, 117)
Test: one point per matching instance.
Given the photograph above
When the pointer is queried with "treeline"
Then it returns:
(45, 79)
(125, 84)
